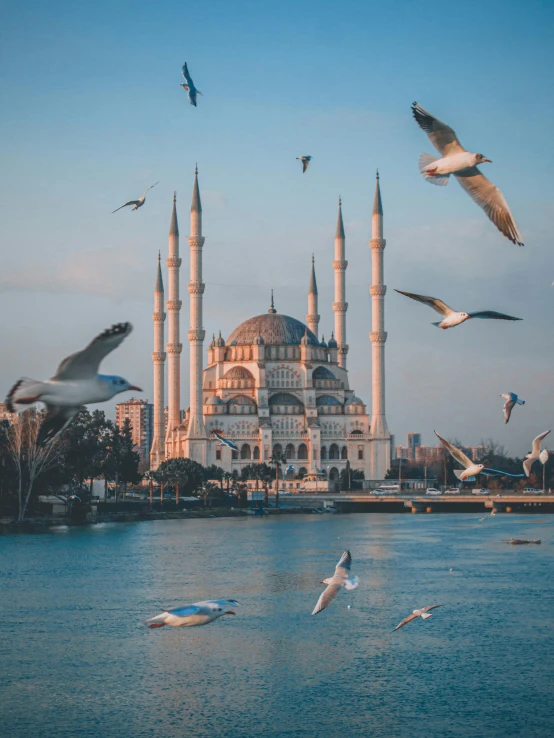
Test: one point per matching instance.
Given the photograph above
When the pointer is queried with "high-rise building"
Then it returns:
(413, 441)
(141, 415)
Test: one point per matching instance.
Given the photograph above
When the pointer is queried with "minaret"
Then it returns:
(379, 429)
(312, 318)
(157, 453)
(196, 446)
(174, 346)
(340, 306)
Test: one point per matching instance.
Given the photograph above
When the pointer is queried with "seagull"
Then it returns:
(423, 613)
(137, 203)
(335, 583)
(463, 165)
(76, 383)
(471, 468)
(511, 400)
(200, 613)
(305, 161)
(544, 456)
(189, 86)
(452, 317)
(491, 515)
(534, 455)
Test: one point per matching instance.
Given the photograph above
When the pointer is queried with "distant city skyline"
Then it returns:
(108, 119)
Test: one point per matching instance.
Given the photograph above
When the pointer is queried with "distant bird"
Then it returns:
(200, 613)
(544, 456)
(423, 613)
(338, 581)
(535, 453)
(137, 203)
(471, 468)
(491, 515)
(225, 441)
(305, 161)
(511, 400)
(76, 383)
(463, 165)
(451, 317)
(189, 86)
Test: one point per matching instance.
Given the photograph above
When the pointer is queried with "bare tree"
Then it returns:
(30, 460)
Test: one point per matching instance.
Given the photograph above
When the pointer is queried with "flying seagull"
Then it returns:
(200, 613)
(452, 317)
(335, 583)
(463, 165)
(225, 441)
(471, 469)
(535, 453)
(189, 86)
(511, 400)
(137, 203)
(76, 383)
(423, 613)
(305, 161)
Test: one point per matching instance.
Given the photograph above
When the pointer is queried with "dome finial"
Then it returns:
(272, 306)
(377, 174)
(174, 195)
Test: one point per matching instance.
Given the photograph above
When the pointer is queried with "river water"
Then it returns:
(76, 659)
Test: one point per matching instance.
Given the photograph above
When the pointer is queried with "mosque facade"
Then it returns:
(273, 385)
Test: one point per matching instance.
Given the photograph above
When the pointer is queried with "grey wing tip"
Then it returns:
(11, 393)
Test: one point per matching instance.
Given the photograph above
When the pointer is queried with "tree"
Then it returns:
(214, 472)
(120, 461)
(278, 460)
(190, 472)
(86, 446)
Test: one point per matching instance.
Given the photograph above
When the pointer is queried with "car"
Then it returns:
(481, 491)
(453, 491)
(380, 491)
(434, 492)
(532, 491)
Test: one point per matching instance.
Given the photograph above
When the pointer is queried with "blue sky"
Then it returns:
(92, 113)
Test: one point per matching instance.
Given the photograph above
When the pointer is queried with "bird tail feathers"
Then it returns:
(520, 402)
(156, 622)
(438, 323)
(25, 392)
(458, 473)
(427, 615)
(351, 582)
(424, 161)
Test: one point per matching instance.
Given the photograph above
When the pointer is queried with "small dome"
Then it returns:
(238, 372)
(327, 400)
(323, 344)
(215, 400)
(275, 330)
(354, 401)
(323, 373)
(284, 398)
(332, 342)
(220, 340)
(241, 400)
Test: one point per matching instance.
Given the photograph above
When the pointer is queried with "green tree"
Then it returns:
(187, 470)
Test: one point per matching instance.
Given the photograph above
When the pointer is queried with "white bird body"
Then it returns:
(421, 613)
(451, 164)
(76, 383)
(339, 580)
(535, 453)
(199, 613)
(511, 400)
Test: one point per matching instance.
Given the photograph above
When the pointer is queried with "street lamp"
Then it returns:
(544, 456)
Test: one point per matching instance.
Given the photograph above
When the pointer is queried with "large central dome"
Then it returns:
(275, 329)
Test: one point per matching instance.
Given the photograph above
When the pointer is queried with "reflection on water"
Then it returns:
(78, 661)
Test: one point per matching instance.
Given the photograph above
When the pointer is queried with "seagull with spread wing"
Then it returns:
(189, 85)
(305, 161)
(451, 317)
(76, 383)
(511, 401)
(339, 580)
(471, 469)
(463, 165)
(136, 203)
(200, 613)
(422, 613)
(535, 453)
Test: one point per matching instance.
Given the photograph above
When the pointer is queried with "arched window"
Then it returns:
(323, 453)
(235, 454)
(302, 472)
(344, 453)
(334, 474)
(245, 452)
(334, 451)
(289, 451)
(256, 455)
(302, 451)
(277, 449)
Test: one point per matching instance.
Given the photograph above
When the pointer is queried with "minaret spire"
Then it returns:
(379, 429)
(174, 346)
(157, 452)
(340, 306)
(272, 305)
(312, 318)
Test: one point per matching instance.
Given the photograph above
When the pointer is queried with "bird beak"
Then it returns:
(230, 612)
(135, 388)
(490, 162)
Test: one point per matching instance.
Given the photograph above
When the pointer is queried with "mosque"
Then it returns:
(273, 385)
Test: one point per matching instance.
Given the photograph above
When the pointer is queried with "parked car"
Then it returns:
(481, 491)
(453, 491)
(532, 491)
(433, 491)
(380, 491)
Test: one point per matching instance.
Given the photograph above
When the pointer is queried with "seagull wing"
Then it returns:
(326, 597)
(56, 420)
(493, 472)
(508, 407)
(430, 607)
(131, 202)
(528, 465)
(342, 569)
(537, 443)
(406, 621)
(442, 137)
(186, 74)
(186, 610)
(218, 603)
(490, 198)
(438, 305)
(455, 452)
(491, 315)
(84, 364)
(149, 188)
